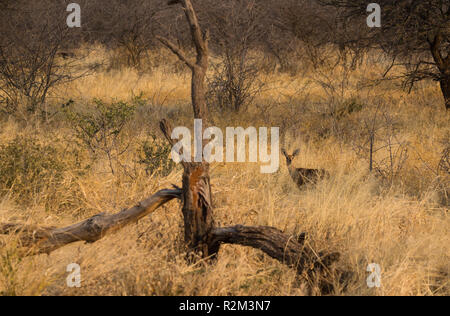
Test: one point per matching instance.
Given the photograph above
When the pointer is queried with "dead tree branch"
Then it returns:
(48, 239)
(273, 242)
(176, 50)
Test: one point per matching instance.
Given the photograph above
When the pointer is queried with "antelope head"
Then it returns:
(290, 158)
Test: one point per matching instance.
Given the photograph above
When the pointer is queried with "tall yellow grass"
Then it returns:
(402, 228)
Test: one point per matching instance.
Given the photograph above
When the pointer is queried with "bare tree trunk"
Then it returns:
(197, 208)
(443, 64)
(199, 92)
(445, 88)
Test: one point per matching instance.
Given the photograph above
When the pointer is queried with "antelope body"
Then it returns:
(302, 176)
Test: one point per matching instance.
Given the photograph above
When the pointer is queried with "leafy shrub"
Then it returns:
(155, 156)
(28, 168)
(100, 127)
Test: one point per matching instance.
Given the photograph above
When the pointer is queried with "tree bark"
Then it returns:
(199, 93)
(198, 211)
(445, 88)
(443, 65)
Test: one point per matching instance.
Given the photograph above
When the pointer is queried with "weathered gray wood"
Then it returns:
(48, 239)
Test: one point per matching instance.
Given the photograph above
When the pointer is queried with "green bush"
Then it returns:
(155, 156)
(27, 168)
(100, 126)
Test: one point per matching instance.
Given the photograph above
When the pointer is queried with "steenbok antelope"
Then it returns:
(302, 176)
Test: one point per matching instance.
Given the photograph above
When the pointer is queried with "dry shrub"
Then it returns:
(155, 157)
(29, 168)
(33, 172)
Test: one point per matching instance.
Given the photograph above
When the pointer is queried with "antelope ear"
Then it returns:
(283, 151)
(296, 153)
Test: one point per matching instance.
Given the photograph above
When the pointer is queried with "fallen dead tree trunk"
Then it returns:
(287, 249)
(47, 239)
(295, 252)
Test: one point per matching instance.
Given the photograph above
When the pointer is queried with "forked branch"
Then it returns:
(48, 239)
(176, 50)
(200, 40)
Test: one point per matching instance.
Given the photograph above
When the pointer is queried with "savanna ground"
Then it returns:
(55, 171)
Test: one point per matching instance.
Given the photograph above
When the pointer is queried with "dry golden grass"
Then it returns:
(404, 227)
